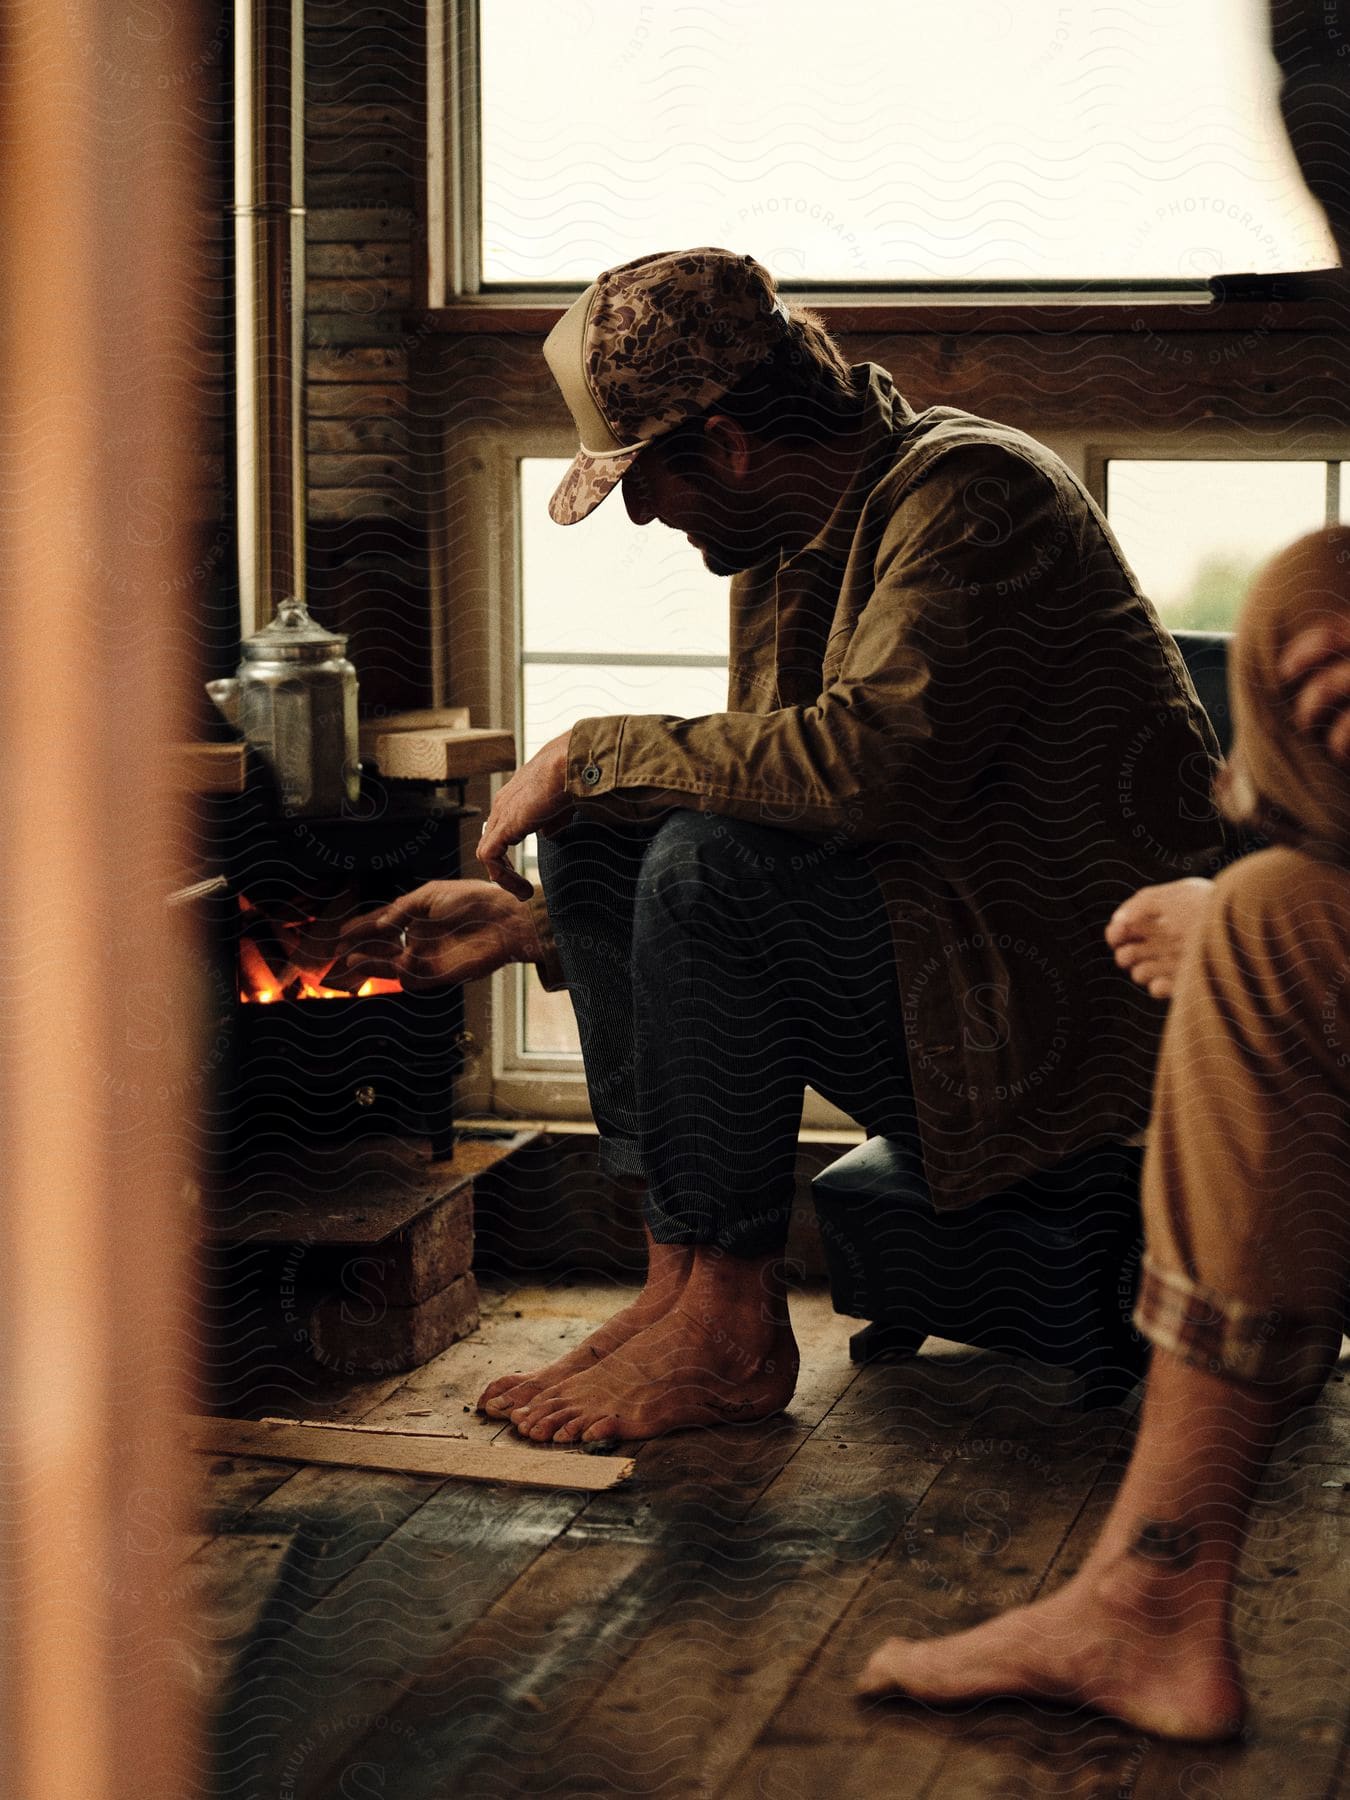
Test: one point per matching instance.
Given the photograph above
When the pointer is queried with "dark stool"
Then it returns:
(1046, 1269)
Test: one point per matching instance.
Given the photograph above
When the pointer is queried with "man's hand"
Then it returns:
(1151, 930)
(534, 799)
(445, 931)
(1317, 667)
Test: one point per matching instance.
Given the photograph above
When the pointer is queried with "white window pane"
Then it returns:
(1195, 532)
(606, 584)
(557, 695)
(997, 139)
(550, 1022)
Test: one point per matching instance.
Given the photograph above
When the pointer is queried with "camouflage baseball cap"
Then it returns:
(649, 345)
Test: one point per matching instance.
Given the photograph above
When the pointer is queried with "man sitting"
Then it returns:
(954, 742)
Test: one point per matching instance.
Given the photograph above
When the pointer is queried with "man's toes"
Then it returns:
(506, 1401)
(496, 1390)
(583, 1427)
(541, 1425)
(600, 1429)
(524, 1411)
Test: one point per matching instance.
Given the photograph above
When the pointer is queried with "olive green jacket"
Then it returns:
(959, 677)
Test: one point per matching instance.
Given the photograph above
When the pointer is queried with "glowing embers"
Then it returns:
(287, 957)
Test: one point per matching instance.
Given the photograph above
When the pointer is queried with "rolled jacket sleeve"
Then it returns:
(938, 656)
(549, 966)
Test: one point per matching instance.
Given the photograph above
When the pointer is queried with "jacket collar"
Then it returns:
(886, 416)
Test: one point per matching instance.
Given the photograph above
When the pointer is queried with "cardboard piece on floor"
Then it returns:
(407, 1453)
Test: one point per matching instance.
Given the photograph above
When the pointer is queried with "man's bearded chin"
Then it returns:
(721, 561)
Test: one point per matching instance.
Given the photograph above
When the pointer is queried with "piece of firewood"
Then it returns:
(408, 1453)
(423, 718)
(440, 755)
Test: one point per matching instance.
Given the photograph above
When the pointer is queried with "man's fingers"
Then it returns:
(402, 911)
(379, 923)
(494, 853)
(373, 960)
(499, 870)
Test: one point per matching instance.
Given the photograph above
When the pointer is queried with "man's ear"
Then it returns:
(727, 447)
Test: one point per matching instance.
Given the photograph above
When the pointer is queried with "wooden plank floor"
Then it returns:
(695, 1633)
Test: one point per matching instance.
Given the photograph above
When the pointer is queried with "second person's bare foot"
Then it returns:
(668, 1267)
(1151, 932)
(1122, 1641)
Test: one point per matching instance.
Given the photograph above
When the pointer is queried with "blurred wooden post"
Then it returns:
(99, 214)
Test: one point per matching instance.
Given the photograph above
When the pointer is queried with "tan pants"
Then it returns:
(1247, 1176)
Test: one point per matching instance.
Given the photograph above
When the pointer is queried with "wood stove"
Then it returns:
(303, 1066)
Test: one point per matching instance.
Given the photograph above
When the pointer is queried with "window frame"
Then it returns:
(451, 274)
(475, 536)
(504, 1079)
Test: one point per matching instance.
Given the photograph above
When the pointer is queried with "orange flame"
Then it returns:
(262, 985)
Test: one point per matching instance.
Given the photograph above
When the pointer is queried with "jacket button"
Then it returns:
(590, 774)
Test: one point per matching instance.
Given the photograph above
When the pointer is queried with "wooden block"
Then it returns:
(358, 1197)
(410, 1265)
(435, 755)
(207, 768)
(349, 1334)
(379, 1239)
(408, 1453)
(424, 718)
(354, 1197)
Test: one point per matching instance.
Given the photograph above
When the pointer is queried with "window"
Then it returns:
(614, 619)
(1004, 144)
(1195, 532)
(1016, 141)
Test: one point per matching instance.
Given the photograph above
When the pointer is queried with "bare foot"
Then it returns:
(1120, 1640)
(1151, 931)
(725, 1354)
(668, 1267)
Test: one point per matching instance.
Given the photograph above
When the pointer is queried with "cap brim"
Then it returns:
(591, 476)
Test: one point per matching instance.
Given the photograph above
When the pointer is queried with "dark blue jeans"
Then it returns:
(717, 968)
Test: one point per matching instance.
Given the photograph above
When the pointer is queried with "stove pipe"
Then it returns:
(269, 315)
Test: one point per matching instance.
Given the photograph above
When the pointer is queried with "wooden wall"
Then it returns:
(364, 68)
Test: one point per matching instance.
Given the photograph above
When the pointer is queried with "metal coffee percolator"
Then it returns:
(293, 698)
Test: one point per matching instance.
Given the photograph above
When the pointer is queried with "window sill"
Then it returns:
(485, 1123)
(1315, 301)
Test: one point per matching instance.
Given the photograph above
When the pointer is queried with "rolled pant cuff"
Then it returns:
(1260, 1346)
(762, 1232)
(621, 1156)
